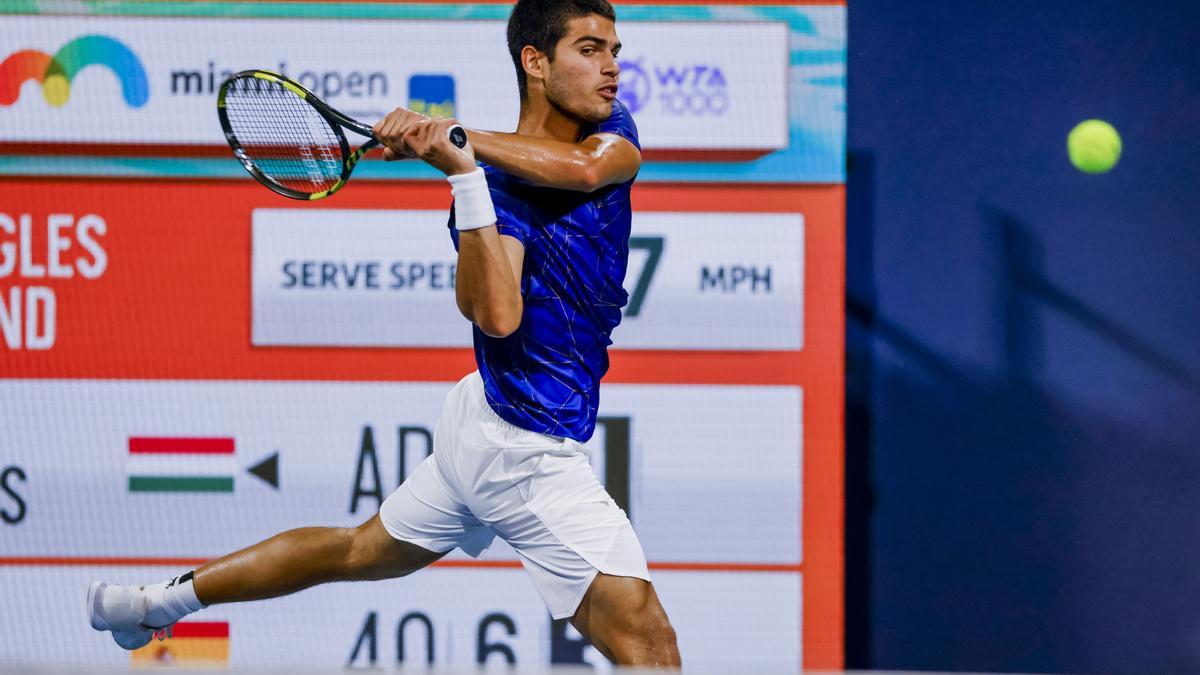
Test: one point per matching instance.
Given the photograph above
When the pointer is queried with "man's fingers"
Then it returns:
(391, 120)
(430, 138)
(399, 123)
(380, 126)
(396, 127)
(390, 131)
(431, 133)
(412, 139)
(382, 129)
(392, 155)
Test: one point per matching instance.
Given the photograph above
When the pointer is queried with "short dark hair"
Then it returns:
(542, 23)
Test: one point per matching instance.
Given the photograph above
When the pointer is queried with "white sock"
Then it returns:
(170, 601)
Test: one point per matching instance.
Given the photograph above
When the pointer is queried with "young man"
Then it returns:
(542, 236)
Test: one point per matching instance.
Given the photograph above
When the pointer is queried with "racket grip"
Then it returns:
(457, 135)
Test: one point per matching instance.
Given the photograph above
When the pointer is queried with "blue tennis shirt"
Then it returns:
(545, 377)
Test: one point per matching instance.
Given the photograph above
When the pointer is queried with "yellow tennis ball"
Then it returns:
(1094, 146)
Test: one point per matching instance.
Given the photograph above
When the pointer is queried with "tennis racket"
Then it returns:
(288, 138)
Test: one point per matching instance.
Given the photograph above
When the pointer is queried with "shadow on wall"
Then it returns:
(1025, 291)
(1011, 526)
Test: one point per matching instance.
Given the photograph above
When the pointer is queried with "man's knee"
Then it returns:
(652, 631)
(643, 637)
(624, 619)
(372, 553)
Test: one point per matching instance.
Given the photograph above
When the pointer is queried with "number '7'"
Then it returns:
(654, 247)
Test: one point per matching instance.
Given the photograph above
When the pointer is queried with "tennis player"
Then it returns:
(542, 232)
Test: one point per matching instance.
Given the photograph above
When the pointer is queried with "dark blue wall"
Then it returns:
(1024, 383)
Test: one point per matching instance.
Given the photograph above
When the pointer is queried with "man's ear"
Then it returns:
(534, 63)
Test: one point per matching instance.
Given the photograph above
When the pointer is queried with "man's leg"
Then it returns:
(298, 559)
(624, 620)
(283, 564)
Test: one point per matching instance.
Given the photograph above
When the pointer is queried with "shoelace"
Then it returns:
(164, 633)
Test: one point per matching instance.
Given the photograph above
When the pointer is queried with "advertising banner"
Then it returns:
(386, 279)
(236, 462)
(711, 86)
(447, 616)
(228, 464)
(216, 280)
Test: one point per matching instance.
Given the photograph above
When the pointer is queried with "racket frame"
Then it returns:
(336, 120)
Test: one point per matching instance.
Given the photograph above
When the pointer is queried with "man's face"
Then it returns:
(581, 81)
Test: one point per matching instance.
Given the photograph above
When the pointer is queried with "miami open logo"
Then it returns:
(56, 72)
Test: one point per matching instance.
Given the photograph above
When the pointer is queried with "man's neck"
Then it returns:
(540, 118)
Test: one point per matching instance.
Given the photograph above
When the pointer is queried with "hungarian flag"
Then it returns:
(180, 464)
(194, 643)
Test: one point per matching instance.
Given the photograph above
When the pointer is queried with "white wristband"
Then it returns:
(472, 200)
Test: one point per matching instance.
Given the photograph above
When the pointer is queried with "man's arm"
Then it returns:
(488, 276)
(586, 166)
(596, 161)
(487, 282)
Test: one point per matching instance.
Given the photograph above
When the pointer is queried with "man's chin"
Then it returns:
(593, 114)
(599, 113)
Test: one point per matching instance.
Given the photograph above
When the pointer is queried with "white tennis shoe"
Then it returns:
(121, 610)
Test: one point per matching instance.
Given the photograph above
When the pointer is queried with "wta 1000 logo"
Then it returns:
(684, 89)
(56, 72)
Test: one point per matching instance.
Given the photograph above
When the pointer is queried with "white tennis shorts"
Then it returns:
(488, 478)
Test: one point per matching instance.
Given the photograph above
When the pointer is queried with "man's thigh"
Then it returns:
(551, 508)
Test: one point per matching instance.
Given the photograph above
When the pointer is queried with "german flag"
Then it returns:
(194, 643)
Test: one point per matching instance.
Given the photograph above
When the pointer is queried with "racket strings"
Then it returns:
(283, 135)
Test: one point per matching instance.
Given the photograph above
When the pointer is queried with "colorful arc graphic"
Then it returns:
(56, 72)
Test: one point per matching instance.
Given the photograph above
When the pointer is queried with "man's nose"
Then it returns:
(611, 67)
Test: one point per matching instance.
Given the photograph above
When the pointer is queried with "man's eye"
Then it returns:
(588, 51)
